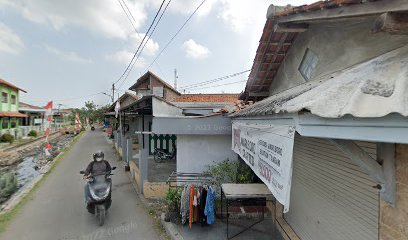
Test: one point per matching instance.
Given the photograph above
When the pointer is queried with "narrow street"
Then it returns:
(57, 209)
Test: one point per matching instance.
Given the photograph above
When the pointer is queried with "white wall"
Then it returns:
(163, 109)
(196, 152)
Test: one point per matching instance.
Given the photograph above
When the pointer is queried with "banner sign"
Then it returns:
(268, 150)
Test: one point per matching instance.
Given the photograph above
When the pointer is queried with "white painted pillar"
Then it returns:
(143, 158)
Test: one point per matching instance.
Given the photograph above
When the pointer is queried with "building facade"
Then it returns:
(333, 72)
(9, 106)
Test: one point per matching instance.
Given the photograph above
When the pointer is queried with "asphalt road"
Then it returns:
(57, 210)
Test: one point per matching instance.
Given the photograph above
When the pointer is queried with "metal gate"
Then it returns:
(161, 141)
(331, 197)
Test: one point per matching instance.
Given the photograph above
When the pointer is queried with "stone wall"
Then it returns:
(394, 220)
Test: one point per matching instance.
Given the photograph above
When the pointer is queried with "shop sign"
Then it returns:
(268, 150)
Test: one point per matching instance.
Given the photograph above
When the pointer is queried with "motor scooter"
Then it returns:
(100, 194)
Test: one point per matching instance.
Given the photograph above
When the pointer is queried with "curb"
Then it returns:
(171, 229)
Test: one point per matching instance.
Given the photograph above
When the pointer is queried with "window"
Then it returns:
(13, 123)
(5, 123)
(13, 99)
(308, 64)
(4, 97)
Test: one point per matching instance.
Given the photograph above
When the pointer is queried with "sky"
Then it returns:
(72, 51)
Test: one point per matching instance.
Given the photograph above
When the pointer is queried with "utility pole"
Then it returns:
(175, 78)
(113, 92)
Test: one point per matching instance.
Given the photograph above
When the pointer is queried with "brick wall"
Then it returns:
(394, 220)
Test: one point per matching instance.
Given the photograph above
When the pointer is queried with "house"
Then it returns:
(34, 119)
(328, 133)
(163, 118)
(9, 115)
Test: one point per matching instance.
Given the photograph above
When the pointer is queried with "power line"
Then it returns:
(145, 43)
(213, 80)
(241, 81)
(174, 36)
(134, 55)
(127, 15)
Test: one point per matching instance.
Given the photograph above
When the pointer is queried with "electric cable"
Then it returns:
(134, 55)
(174, 36)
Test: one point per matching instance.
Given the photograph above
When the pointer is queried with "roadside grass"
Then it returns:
(5, 218)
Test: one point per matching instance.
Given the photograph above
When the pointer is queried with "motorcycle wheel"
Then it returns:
(101, 214)
(158, 157)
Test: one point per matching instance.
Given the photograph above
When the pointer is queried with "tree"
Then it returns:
(90, 111)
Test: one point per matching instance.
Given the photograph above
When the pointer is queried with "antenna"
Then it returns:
(175, 78)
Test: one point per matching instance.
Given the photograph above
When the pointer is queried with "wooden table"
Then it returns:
(238, 192)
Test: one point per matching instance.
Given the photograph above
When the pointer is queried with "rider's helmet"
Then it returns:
(98, 156)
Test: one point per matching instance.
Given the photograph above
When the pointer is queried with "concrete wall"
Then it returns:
(338, 46)
(196, 152)
(394, 220)
(163, 109)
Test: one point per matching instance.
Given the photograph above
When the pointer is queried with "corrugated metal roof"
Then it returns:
(374, 88)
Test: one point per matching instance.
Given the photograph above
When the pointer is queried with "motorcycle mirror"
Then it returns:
(113, 168)
(82, 172)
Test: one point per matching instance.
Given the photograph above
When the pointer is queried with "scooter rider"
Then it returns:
(98, 165)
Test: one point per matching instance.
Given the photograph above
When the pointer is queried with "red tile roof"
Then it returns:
(12, 114)
(208, 97)
(11, 85)
(273, 46)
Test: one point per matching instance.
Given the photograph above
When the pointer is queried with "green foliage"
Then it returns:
(172, 198)
(32, 133)
(7, 138)
(230, 172)
(91, 111)
(8, 185)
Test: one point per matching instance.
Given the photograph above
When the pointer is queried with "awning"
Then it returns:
(372, 89)
(12, 114)
(268, 150)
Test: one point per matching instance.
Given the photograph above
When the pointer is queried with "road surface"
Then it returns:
(57, 211)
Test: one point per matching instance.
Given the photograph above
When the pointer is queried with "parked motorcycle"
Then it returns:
(161, 155)
(99, 198)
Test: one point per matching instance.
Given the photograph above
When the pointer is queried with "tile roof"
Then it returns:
(364, 90)
(12, 114)
(11, 85)
(207, 98)
(147, 74)
(273, 46)
(26, 105)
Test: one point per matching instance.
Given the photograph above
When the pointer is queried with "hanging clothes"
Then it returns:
(203, 198)
(191, 205)
(209, 206)
(184, 201)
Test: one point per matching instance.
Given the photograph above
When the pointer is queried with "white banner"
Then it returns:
(268, 150)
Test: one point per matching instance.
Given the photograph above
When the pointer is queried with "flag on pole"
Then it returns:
(77, 122)
(117, 108)
(47, 126)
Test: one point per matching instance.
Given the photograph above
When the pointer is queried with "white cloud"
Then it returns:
(195, 50)
(151, 47)
(104, 17)
(10, 42)
(124, 57)
(68, 56)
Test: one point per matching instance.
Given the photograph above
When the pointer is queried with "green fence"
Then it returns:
(161, 141)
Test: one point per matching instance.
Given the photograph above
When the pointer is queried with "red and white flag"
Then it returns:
(47, 126)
